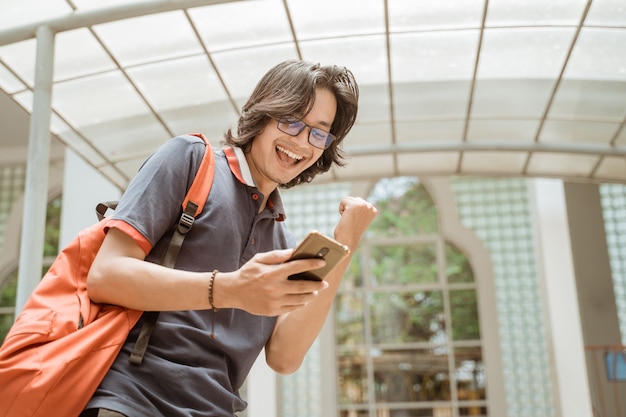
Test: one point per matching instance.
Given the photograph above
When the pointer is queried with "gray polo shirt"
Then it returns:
(186, 372)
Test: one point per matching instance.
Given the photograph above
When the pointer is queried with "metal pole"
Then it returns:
(36, 193)
(84, 18)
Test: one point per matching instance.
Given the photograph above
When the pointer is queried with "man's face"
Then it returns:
(277, 158)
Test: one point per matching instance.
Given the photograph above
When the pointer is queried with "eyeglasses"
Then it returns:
(317, 137)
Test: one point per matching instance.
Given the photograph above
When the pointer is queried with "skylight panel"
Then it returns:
(239, 24)
(326, 18)
(149, 38)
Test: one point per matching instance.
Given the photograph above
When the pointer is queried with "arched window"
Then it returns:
(406, 323)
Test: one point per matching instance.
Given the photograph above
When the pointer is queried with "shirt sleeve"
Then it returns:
(153, 200)
(139, 239)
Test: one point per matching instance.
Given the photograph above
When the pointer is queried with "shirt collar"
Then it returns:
(241, 170)
(239, 165)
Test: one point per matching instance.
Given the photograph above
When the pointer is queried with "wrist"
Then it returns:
(212, 279)
(346, 239)
(220, 287)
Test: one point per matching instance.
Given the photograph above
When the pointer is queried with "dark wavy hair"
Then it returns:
(288, 90)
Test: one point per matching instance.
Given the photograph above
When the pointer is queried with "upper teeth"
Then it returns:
(290, 154)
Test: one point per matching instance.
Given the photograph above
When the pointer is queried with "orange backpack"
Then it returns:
(62, 344)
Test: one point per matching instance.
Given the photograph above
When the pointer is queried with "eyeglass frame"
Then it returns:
(286, 121)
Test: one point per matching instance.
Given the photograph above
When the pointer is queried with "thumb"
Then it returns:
(274, 257)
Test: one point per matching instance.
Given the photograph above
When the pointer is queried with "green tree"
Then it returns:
(405, 208)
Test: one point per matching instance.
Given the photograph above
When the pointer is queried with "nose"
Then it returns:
(303, 134)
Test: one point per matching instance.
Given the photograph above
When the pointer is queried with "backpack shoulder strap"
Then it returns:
(192, 206)
(201, 186)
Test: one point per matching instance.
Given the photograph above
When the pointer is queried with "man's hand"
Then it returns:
(261, 286)
(356, 216)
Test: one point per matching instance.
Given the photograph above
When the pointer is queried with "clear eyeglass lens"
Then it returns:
(317, 137)
(293, 128)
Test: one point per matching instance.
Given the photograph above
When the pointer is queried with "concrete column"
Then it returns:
(563, 323)
(36, 193)
(262, 393)
(596, 296)
(328, 373)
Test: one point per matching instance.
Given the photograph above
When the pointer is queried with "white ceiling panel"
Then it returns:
(368, 134)
(534, 12)
(230, 26)
(519, 131)
(149, 38)
(550, 164)
(578, 131)
(241, 69)
(606, 13)
(75, 142)
(18, 13)
(613, 168)
(20, 57)
(437, 100)
(523, 88)
(374, 103)
(527, 98)
(110, 97)
(332, 18)
(433, 56)
(411, 15)
(178, 83)
(91, 4)
(524, 53)
(68, 64)
(429, 131)
(599, 55)
(364, 55)
(429, 163)
(132, 137)
(9, 83)
(25, 99)
(601, 100)
(367, 166)
(211, 119)
(493, 163)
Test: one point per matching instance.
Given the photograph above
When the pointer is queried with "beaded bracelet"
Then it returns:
(211, 286)
(211, 282)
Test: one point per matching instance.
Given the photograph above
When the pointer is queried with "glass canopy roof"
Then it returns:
(449, 87)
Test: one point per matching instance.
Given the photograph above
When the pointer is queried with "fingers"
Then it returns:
(357, 204)
(285, 267)
(276, 295)
(294, 302)
(356, 216)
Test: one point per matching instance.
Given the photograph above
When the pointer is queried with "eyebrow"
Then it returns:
(326, 125)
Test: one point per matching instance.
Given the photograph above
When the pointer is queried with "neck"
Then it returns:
(263, 203)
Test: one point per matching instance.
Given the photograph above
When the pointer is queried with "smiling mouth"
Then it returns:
(286, 153)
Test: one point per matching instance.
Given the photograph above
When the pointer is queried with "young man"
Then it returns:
(290, 130)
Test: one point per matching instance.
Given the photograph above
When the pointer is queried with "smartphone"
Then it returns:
(320, 246)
